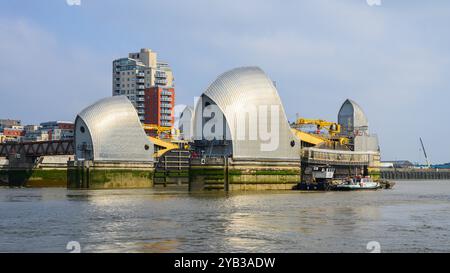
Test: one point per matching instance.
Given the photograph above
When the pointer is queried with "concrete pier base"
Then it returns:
(228, 175)
(45, 171)
(102, 175)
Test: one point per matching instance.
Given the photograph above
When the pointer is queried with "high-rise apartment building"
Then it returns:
(159, 106)
(133, 75)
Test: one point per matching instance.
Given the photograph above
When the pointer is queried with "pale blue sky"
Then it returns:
(392, 59)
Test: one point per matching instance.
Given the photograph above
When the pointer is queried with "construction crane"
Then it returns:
(425, 153)
(158, 129)
(311, 139)
(162, 146)
(333, 128)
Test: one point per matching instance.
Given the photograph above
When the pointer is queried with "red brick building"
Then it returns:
(159, 106)
(66, 126)
(11, 134)
(8, 132)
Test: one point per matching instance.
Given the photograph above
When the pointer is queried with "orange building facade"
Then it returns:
(159, 106)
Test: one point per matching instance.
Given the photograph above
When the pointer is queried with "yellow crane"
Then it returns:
(158, 129)
(333, 128)
(162, 146)
(309, 138)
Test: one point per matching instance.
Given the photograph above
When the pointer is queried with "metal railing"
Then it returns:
(325, 156)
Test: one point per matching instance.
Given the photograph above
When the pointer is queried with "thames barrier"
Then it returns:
(112, 149)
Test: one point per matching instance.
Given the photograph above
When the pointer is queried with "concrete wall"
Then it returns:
(242, 176)
(264, 178)
(48, 171)
(366, 143)
(34, 178)
(90, 175)
(415, 174)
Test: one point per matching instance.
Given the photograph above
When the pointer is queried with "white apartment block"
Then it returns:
(137, 72)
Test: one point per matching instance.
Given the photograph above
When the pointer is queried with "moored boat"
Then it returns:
(357, 183)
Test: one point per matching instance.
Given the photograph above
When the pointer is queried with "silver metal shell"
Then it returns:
(240, 90)
(110, 130)
(352, 117)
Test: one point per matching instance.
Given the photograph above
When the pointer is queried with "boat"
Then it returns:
(357, 183)
(322, 178)
(323, 173)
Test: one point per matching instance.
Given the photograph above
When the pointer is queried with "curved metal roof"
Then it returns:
(245, 88)
(188, 110)
(351, 108)
(185, 122)
(114, 130)
(352, 116)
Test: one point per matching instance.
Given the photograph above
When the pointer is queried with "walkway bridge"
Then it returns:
(37, 149)
(340, 158)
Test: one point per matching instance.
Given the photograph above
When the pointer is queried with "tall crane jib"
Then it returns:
(425, 153)
(333, 129)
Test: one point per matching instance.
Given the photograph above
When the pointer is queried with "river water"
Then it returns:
(414, 217)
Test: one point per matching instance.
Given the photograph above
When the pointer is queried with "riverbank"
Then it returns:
(416, 174)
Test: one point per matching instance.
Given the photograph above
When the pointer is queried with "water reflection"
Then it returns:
(413, 217)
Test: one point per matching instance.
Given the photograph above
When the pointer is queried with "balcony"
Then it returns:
(140, 74)
(160, 82)
(140, 99)
(160, 74)
(141, 87)
(165, 111)
(166, 117)
(167, 99)
(166, 105)
(140, 80)
(166, 124)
